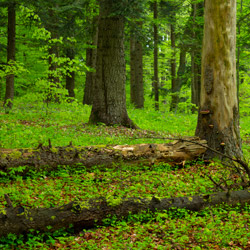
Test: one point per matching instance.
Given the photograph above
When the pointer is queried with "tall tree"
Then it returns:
(91, 54)
(156, 71)
(109, 102)
(11, 50)
(218, 119)
(136, 68)
(196, 33)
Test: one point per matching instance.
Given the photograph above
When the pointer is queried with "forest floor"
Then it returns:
(27, 126)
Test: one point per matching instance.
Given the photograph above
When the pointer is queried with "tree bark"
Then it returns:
(70, 77)
(136, 70)
(218, 119)
(179, 81)
(156, 71)
(87, 214)
(109, 103)
(91, 54)
(197, 12)
(149, 154)
(173, 59)
(11, 51)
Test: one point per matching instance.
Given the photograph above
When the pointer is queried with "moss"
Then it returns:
(114, 201)
(16, 154)
(3, 211)
(54, 150)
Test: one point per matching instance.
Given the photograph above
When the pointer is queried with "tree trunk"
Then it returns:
(197, 12)
(11, 48)
(109, 103)
(218, 119)
(91, 54)
(70, 77)
(238, 55)
(179, 81)
(136, 70)
(156, 71)
(173, 60)
(87, 214)
(176, 152)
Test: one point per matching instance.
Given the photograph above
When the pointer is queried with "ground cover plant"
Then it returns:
(220, 227)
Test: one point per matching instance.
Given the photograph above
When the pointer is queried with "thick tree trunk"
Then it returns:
(109, 103)
(156, 71)
(136, 71)
(218, 119)
(70, 77)
(91, 54)
(179, 81)
(87, 214)
(149, 154)
(11, 48)
(173, 59)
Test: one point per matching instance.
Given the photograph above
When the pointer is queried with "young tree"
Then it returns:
(196, 33)
(156, 71)
(109, 99)
(11, 50)
(91, 54)
(218, 119)
(136, 68)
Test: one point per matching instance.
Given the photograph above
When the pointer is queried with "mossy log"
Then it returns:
(175, 152)
(91, 213)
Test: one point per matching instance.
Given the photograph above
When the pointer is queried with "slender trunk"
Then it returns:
(218, 119)
(173, 61)
(136, 71)
(70, 77)
(238, 55)
(11, 47)
(179, 81)
(109, 100)
(197, 12)
(156, 71)
(91, 54)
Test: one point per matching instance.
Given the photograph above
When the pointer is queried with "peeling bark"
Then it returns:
(175, 152)
(218, 120)
(86, 214)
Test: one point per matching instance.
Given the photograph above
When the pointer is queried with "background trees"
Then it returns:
(56, 42)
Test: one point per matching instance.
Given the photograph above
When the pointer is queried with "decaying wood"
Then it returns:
(91, 213)
(174, 152)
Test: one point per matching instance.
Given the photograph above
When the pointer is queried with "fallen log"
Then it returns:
(88, 156)
(92, 212)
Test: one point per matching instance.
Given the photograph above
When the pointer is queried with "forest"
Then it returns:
(124, 124)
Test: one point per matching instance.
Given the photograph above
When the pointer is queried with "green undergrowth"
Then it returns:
(28, 125)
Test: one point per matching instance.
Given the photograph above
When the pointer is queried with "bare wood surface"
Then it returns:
(175, 152)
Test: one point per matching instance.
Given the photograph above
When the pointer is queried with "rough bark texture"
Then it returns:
(70, 77)
(109, 103)
(91, 54)
(136, 71)
(156, 71)
(218, 120)
(86, 214)
(11, 48)
(102, 155)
